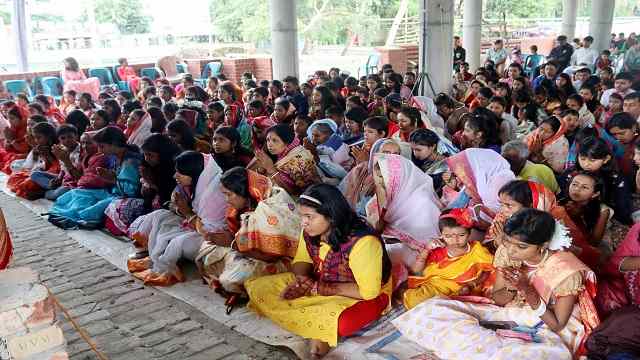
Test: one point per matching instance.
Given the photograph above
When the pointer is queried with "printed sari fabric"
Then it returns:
(297, 167)
(482, 172)
(168, 237)
(272, 228)
(21, 184)
(555, 149)
(15, 145)
(545, 200)
(450, 327)
(617, 288)
(6, 248)
(445, 275)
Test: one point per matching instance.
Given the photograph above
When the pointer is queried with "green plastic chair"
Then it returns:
(151, 73)
(122, 85)
(103, 74)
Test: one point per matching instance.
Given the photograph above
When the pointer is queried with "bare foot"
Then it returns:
(318, 349)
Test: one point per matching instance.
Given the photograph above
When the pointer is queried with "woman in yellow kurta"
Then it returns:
(457, 268)
(340, 280)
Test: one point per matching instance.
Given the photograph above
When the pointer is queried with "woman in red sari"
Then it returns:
(128, 74)
(6, 249)
(15, 136)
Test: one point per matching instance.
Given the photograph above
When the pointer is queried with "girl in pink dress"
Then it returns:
(74, 79)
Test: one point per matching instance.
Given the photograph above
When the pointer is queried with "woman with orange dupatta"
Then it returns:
(538, 285)
(15, 135)
(6, 249)
(262, 237)
(548, 145)
(519, 194)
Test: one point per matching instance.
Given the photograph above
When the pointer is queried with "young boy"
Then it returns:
(300, 126)
(458, 268)
(374, 129)
(571, 120)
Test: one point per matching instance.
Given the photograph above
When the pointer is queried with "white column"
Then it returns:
(569, 14)
(20, 36)
(472, 31)
(601, 22)
(436, 45)
(284, 38)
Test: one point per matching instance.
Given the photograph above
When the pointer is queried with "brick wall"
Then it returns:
(259, 66)
(396, 56)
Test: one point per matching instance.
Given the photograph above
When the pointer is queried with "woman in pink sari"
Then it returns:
(75, 79)
(620, 279)
(480, 173)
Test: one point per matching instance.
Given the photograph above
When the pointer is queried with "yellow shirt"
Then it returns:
(365, 262)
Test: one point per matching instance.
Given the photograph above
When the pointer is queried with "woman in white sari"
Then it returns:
(138, 128)
(199, 212)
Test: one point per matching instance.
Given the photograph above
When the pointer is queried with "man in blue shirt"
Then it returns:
(292, 93)
(561, 53)
(549, 71)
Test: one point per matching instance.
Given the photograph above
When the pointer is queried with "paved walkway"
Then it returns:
(125, 319)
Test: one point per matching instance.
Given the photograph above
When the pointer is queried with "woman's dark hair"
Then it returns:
(397, 82)
(621, 120)
(215, 106)
(592, 209)
(531, 226)
(65, 129)
(172, 108)
(594, 148)
(36, 106)
(233, 135)
(567, 89)
(328, 100)
(200, 94)
(262, 91)
(154, 101)
(412, 113)
(103, 114)
(356, 100)
(282, 102)
(46, 130)
(88, 98)
(163, 173)
(393, 100)
(230, 89)
(357, 114)
(190, 163)
(553, 122)
(115, 112)
(112, 135)
(522, 96)
(424, 137)
(158, 121)
(284, 132)
(131, 105)
(125, 94)
(485, 123)
(236, 180)
(519, 191)
(379, 123)
(188, 138)
(78, 119)
(381, 92)
(71, 64)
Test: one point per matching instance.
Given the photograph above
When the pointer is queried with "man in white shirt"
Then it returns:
(585, 55)
(622, 86)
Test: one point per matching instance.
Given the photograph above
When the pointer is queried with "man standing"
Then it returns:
(585, 55)
(459, 53)
(561, 53)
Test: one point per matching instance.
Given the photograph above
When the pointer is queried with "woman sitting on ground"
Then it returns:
(548, 145)
(15, 144)
(157, 183)
(539, 286)
(340, 279)
(182, 134)
(86, 207)
(332, 154)
(197, 213)
(139, 125)
(286, 162)
(263, 231)
(227, 150)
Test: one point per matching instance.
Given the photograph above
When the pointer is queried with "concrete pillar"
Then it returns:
(284, 38)
(20, 35)
(472, 31)
(569, 14)
(436, 46)
(601, 22)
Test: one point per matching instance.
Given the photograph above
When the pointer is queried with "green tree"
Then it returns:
(127, 15)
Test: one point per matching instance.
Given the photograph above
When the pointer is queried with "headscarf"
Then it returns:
(335, 141)
(483, 172)
(408, 190)
(209, 202)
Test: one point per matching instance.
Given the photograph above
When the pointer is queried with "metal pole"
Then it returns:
(436, 45)
(19, 30)
(284, 38)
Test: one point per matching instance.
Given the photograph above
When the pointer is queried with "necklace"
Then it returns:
(465, 252)
(544, 257)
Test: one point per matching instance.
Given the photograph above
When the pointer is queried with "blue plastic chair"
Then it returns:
(151, 73)
(213, 68)
(532, 62)
(122, 85)
(14, 87)
(181, 68)
(52, 86)
(371, 66)
(104, 74)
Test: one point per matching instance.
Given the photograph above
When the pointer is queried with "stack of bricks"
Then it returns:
(27, 319)
(260, 66)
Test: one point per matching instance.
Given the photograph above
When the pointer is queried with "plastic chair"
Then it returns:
(213, 68)
(122, 85)
(181, 68)
(151, 73)
(531, 63)
(371, 64)
(52, 86)
(167, 66)
(103, 74)
(17, 86)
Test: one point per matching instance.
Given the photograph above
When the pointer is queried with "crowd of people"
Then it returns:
(323, 204)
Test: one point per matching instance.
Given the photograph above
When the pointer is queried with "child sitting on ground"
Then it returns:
(67, 152)
(457, 268)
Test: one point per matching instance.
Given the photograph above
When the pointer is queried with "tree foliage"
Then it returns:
(127, 15)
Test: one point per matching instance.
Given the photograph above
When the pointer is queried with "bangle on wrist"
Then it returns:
(541, 309)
